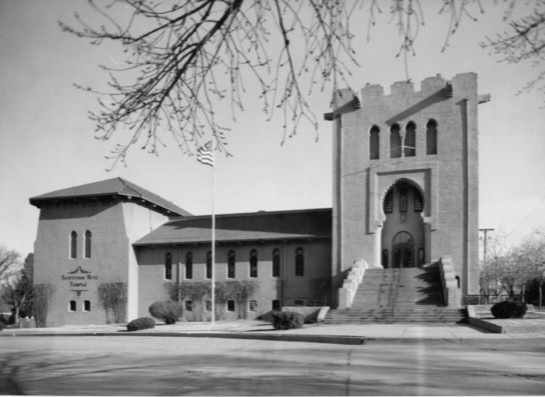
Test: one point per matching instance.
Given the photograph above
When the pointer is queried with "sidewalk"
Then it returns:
(321, 333)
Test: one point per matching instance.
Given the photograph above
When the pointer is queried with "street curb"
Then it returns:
(333, 339)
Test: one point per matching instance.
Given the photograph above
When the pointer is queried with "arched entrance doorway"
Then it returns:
(403, 232)
(403, 250)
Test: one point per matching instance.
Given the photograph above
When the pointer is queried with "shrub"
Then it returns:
(168, 311)
(1, 325)
(288, 320)
(141, 323)
(509, 310)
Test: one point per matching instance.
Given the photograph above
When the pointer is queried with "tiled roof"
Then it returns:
(256, 226)
(111, 187)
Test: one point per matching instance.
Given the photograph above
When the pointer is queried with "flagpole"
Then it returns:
(212, 289)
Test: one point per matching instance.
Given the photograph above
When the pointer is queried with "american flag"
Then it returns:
(205, 154)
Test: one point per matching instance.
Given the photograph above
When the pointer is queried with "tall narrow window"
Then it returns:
(73, 245)
(431, 137)
(86, 306)
(189, 266)
(88, 238)
(299, 262)
(168, 266)
(276, 305)
(72, 306)
(253, 263)
(209, 264)
(276, 263)
(409, 145)
(403, 199)
(230, 305)
(389, 202)
(231, 264)
(395, 141)
(418, 201)
(374, 143)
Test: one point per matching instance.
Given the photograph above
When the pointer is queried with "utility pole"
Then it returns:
(485, 240)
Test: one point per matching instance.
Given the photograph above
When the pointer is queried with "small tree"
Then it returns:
(113, 298)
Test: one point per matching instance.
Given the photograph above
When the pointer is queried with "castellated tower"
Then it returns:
(405, 174)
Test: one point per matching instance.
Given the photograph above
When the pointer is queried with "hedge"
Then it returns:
(141, 323)
(288, 320)
(509, 310)
(168, 311)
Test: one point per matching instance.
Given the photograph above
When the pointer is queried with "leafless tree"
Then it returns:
(9, 262)
(524, 41)
(185, 57)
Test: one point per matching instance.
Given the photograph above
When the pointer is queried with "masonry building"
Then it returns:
(405, 195)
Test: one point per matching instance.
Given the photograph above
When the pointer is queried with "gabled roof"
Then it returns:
(112, 187)
(255, 226)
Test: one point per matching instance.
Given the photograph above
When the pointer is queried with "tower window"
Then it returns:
(168, 266)
(88, 237)
(403, 199)
(374, 143)
(395, 141)
(189, 266)
(276, 263)
(73, 245)
(431, 137)
(300, 262)
(231, 264)
(409, 146)
(253, 263)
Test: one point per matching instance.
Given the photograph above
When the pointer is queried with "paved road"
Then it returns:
(120, 365)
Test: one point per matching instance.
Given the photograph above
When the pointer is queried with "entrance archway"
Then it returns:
(403, 231)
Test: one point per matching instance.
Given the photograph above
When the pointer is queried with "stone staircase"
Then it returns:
(409, 295)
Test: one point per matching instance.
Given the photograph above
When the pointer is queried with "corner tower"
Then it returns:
(405, 174)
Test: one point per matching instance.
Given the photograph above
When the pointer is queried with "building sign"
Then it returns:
(79, 280)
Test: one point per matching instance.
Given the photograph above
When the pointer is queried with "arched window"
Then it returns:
(409, 146)
(276, 263)
(73, 245)
(431, 137)
(403, 199)
(168, 266)
(253, 263)
(374, 143)
(189, 266)
(209, 264)
(389, 202)
(299, 262)
(395, 141)
(231, 264)
(418, 201)
(88, 237)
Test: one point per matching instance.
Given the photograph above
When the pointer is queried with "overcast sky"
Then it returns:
(47, 142)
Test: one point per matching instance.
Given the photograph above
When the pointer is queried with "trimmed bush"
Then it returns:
(168, 311)
(509, 310)
(141, 323)
(288, 320)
